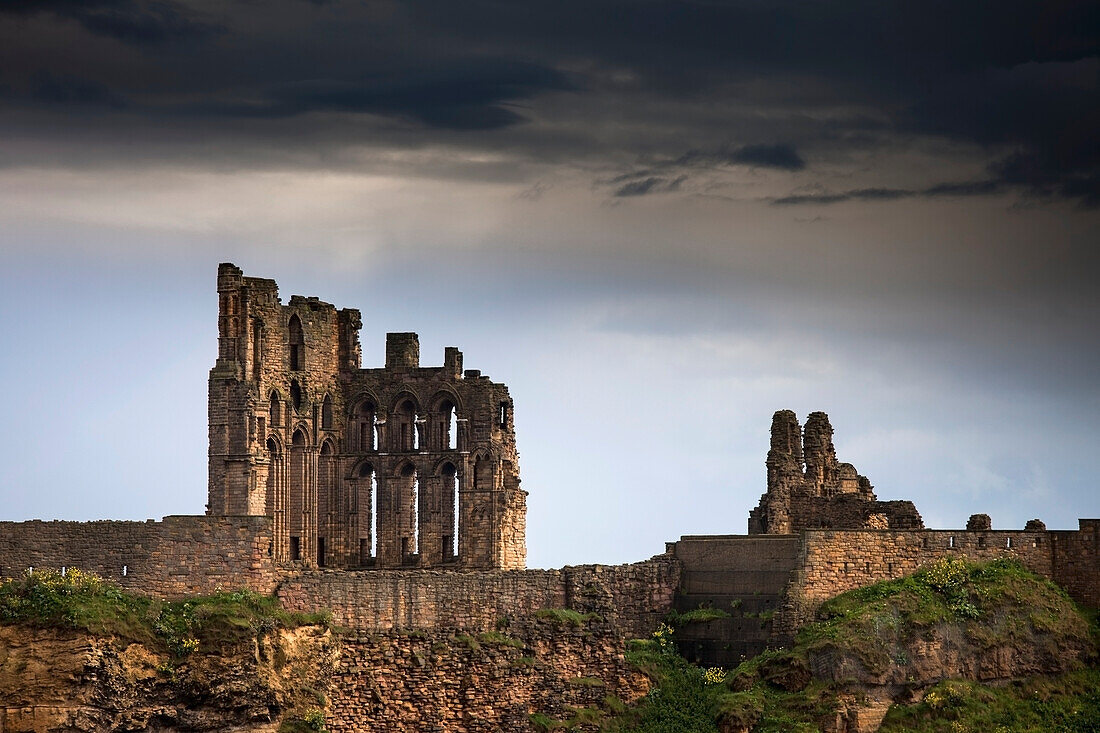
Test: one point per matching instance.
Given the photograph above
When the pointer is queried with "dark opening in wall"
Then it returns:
(275, 409)
(407, 427)
(320, 552)
(447, 426)
(326, 413)
(295, 549)
(257, 349)
(367, 508)
(365, 428)
(296, 394)
(297, 344)
(451, 499)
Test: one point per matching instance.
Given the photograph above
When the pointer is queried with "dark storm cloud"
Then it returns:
(965, 188)
(129, 21)
(768, 156)
(668, 175)
(653, 184)
(468, 96)
(65, 90)
(782, 156)
(788, 80)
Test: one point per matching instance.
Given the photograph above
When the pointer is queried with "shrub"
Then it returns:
(566, 616)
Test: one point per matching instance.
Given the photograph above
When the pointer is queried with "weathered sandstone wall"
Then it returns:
(834, 561)
(451, 681)
(180, 555)
(634, 597)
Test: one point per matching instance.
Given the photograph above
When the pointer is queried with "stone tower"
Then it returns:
(809, 489)
(403, 466)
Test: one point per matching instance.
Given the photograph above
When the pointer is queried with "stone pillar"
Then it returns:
(821, 463)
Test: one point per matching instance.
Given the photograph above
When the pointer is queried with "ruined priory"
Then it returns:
(392, 497)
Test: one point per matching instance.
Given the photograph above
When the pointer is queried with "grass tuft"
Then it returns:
(566, 616)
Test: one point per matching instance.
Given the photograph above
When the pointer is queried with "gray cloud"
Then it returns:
(139, 22)
(652, 184)
(964, 188)
(780, 155)
(461, 96)
(784, 157)
(790, 82)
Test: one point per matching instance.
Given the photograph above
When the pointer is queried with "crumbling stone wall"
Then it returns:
(178, 556)
(795, 574)
(449, 680)
(634, 597)
(1075, 561)
(401, 466)
(834, 561)
(853, 511)
(808, 488)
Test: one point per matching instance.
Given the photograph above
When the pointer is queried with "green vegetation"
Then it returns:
(679, 700)
(84, 601)
(470, 642)
(696, 616)
(312, 721)
(586, 681)
(499, 639)
(1069, 703)
(566, 616)
(992, 604)
(999, 604)
(588, 717)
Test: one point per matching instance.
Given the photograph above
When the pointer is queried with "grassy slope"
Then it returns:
(988, 606)
(862, 638)
(85, 602)
(197, 636)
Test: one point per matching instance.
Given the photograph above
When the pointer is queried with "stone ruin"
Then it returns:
(316, 463)
(403, 466)
(809, 489)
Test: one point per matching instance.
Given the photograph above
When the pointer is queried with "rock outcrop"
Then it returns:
(68, 680)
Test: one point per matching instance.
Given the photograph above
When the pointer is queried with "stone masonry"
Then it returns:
(403, 466)
(809, 489)
(391, 497)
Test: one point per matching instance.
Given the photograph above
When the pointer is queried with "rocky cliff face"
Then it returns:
(495, 681)
(67, 680)
(55, 680)
(890, 643)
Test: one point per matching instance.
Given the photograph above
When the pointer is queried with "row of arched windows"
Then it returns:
(347, 511)
(406, 428)
(407, 510)
(275, 406)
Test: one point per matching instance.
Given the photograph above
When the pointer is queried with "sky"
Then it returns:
(658, 222)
